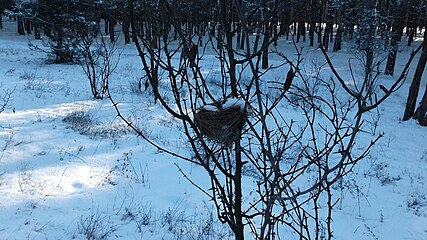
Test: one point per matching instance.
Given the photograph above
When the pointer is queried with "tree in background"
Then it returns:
(4, 5)
(64, 22)
(410, 111)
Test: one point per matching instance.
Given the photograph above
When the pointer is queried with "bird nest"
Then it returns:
(222, 122)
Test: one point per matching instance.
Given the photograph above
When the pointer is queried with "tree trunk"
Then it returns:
(275, 34)
(411, 37)
(265, 46)
(21, 29)
(328, 28)
(37, 32)
(219, 41)
(395, 39)
(311, 33)
(325, 42)
(226, 23)
(111, 28)
(420, 114)
(106, 27)
(239, 35)
(257, 36)
(242, 43)
(338, 40)
(239, 227)
(391, 59)
(126, 32)
(303, 32)
(415, 85)
(27, 25)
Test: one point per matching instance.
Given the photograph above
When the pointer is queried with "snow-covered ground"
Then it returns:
(70, 169)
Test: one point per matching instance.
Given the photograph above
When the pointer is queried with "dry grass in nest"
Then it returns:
(222, 125)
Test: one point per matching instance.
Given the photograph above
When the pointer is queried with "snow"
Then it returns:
(53, 179)
(210, 108)
(233, 102)
(228, 103)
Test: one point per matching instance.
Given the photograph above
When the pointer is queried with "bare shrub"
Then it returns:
(30, 80)
(26, 181)
(96, 226)
(98, 63)
(125, 167)
(5, 98)
(84, 123)
(79, 121)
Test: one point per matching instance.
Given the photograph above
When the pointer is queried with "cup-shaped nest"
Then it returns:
(222, 122)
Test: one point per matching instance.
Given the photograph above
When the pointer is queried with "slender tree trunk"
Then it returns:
(37, 31)
(219, 41)
(27, 25)
(275, 34)
(239, 35)
(319, 34)
(328, 28)
(265, 46)
(338, 40)
(420, 114)
(111, 25)
(303, 31)
(144, 30)
(239, 227)
(21, 29)
(126, 32)
(311, 33)
(391, 59)
(411, 36)
(415, 85)
(397, 28)
(242, 43)
(106, 27)
(257, 37)
(325, 42)
(226, 24)
(287, 30)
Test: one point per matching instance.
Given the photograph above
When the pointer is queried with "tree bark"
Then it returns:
(106, 27)
(411, 37)
(37, 32)
(242, 42)
(311, 33)
(420, 114)
(27, 25)
(415, 85)
(391, 59)
(338, 40)
(21, 29)
(126, 31)
(265, 45)
(111, 25)
(239, 227)
(397, 28)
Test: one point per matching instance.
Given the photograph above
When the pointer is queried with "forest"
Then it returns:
(277, 119)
